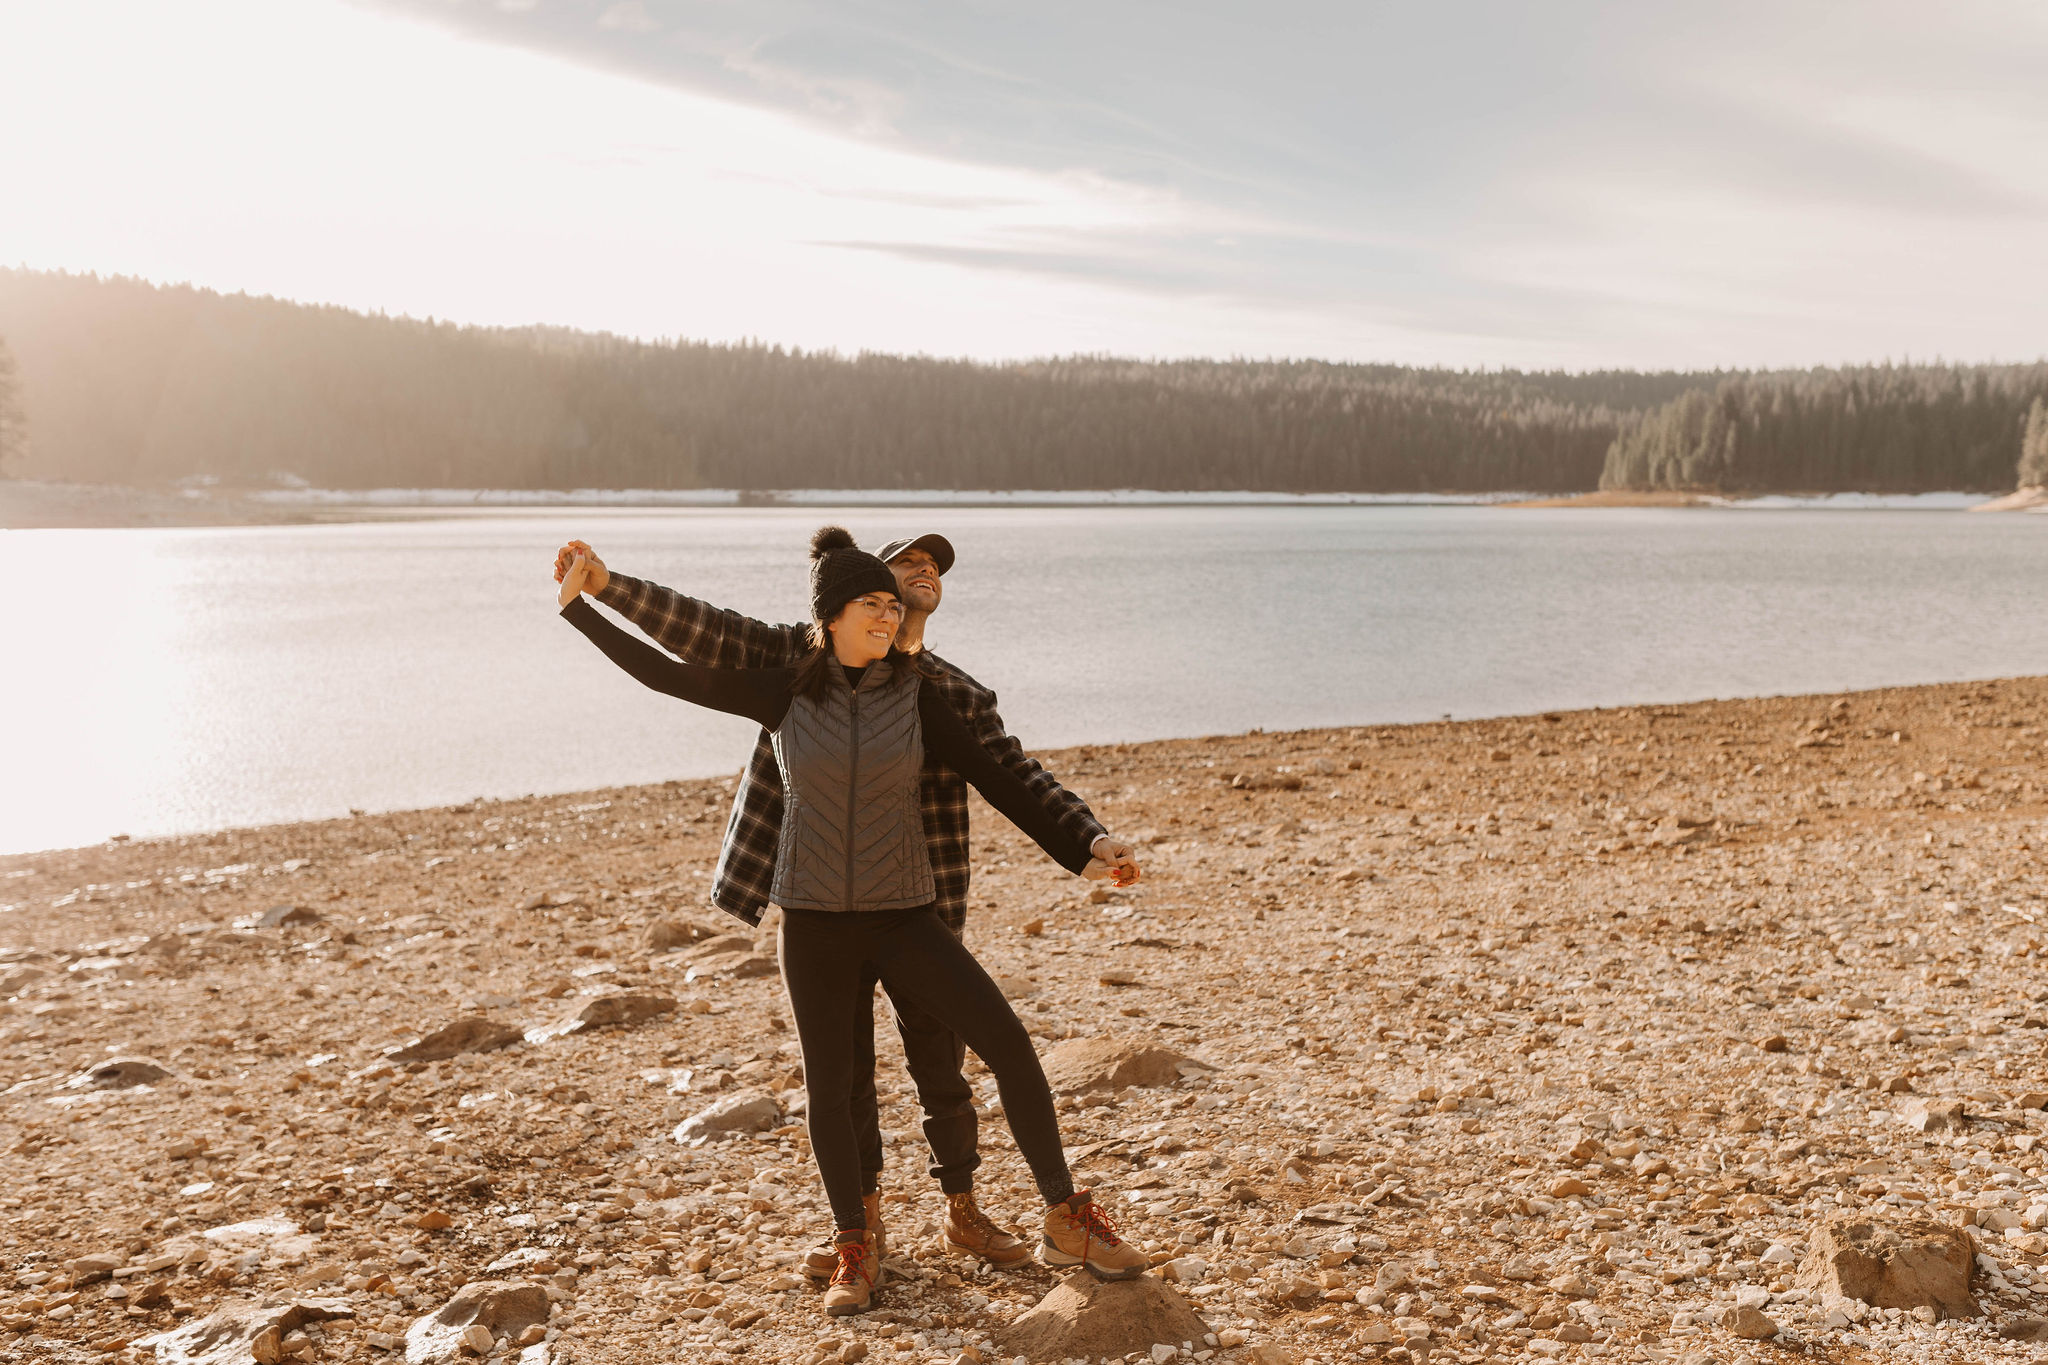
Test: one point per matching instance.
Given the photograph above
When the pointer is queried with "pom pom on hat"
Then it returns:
(826, 539)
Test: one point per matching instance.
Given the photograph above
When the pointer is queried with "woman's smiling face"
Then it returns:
(865, 627)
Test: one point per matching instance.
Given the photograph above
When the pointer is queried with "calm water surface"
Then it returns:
(160, 681)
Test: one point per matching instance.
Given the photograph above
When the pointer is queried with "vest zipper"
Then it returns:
(852, 780)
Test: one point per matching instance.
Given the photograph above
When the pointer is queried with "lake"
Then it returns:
(169, 680)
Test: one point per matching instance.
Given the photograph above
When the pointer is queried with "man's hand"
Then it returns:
(1121, 858)
(598, 574)
(575, 579)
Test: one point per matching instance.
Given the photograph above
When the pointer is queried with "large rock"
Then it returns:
(1911, 1263)
(499, 1307)
(1083, 1064)
(1084, 1316)
(748, 1111)
(472, 1034)
(120, 1073)
(241, 1332)
(603, 1011)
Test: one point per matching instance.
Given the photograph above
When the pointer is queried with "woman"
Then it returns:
(851, 727)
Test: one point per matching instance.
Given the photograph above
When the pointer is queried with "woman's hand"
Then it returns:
(1097, 870)
(599, 575)
(574, 578)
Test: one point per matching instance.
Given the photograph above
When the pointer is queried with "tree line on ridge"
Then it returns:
(120, 381)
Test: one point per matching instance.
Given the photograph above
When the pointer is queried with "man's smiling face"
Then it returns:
(917, 579)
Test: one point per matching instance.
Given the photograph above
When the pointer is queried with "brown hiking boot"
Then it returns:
(822, 1260)
(970, 1232)
(1078, 1232)
(852, 1288)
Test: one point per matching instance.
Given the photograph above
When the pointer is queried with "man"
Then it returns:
(699, 633)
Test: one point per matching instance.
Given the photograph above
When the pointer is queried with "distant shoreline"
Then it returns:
(30, 505)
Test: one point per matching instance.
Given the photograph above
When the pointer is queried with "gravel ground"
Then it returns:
(1547, 1037)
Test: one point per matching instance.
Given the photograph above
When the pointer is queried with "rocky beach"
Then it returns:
(1681, 1033)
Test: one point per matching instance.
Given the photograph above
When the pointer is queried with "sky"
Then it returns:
(1457, 182)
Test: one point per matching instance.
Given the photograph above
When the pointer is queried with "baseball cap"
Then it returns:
(933, 544)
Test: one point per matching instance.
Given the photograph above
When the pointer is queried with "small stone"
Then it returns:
(667, 935)
(1569, 1186)
(1777, 1042)
(238, 1332)
(2024, 1329)
(1393, 1277)
(120, 1073)
(1934, 1116)
(1749, 1323)
(749, 1111)
(278, 916)
(1572, 1286)
(604, 1011)
(481, 1311)
(472, 1034)
(98, 1266)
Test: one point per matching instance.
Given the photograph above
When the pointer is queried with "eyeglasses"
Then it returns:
(880, 606)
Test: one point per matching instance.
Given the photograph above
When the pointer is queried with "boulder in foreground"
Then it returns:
(1084, 1064)
(1084, 1316)
(1911, 1263)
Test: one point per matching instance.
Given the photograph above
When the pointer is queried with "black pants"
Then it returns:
(831, 961)
(934, 1056)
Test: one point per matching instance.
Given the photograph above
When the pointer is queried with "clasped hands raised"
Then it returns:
(579, 570)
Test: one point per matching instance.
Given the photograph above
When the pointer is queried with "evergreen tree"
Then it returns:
(1878, 428)
(2034, 447)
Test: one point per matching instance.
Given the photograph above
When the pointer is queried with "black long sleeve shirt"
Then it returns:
(763, 695)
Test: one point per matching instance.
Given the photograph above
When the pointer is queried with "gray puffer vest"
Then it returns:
(852, 825)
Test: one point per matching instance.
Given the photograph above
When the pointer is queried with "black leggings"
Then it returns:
(830, 961)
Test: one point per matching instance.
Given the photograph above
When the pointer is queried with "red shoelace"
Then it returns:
(1097, 1224)
(853, 1264)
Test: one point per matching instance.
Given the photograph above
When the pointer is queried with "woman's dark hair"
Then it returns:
(813, 671)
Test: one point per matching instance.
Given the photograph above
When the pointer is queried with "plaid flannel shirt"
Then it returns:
(699, 633)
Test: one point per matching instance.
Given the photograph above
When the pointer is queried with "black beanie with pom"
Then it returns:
(840, 572)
